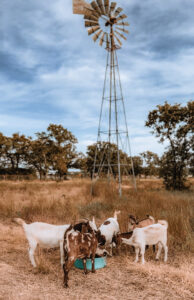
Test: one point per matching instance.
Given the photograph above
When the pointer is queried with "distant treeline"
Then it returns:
(53, 152)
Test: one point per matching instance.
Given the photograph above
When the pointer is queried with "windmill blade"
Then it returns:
(121, 35)
(93, 29)
(90, 23)
(106, 5)
(91, 17)
(117, 39)
(121, 17)
(112, 6)
(101, 6)
(102, 39)
(107, 41)
(123, 24)
(118, 11)
(122, 29)
(91, 12)
(95, 7)
(96, 35)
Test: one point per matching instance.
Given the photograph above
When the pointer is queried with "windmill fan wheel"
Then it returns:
(105, 22)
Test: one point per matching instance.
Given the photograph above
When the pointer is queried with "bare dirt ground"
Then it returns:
(121, 279)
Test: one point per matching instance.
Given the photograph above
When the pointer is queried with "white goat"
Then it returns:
(149, 235)
(45, 235)
(108, 229)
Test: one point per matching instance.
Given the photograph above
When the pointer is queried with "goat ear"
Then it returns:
(132, 218)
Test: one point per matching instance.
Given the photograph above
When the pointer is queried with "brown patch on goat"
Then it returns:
(101, 238)
(106, 223)
(133, 219)
(117, 239)
(83, 226)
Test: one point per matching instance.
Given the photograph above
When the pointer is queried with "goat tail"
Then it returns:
(163, 222)
(19, 221)
(116, 213)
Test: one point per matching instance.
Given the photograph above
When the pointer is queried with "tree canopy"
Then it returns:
(174, 123)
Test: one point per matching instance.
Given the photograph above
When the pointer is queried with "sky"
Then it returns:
(51, 71)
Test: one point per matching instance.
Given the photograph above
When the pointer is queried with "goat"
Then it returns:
(149, 235)
(81, 225)
(43, 234)
(117, 239)
(134, 222)
(107, 230)
(80, 245)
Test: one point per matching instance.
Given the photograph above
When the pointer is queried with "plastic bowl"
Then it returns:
(99, 263)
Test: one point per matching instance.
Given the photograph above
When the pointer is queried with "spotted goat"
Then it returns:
(80, 241)
(107, 230)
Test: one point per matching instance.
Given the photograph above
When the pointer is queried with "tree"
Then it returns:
(2, 150)
(151, 161)
(107, 154)
(137, 165)
(175, 124)
(38, 154)
(13, 151)
(62, 149)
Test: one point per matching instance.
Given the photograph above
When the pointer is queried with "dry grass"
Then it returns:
(61, 203)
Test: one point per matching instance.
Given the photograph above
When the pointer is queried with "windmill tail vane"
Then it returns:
(106, 23)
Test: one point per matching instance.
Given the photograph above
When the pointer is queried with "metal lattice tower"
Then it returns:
(105, 23)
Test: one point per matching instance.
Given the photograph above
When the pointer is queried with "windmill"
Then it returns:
(106, 23)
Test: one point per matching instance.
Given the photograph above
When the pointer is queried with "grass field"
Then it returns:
(65, 202)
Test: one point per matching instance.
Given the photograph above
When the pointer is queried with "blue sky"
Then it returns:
(52, 72)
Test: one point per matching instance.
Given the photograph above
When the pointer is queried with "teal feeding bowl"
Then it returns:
(99, 263)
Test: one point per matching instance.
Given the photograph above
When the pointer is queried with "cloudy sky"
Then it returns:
(52, 72)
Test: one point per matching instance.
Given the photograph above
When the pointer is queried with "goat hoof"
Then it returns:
(85, 273)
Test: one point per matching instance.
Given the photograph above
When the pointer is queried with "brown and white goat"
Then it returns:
(107, 230)
(134, 222)
(117, 239)
(82, 245)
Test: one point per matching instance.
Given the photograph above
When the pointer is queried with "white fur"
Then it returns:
(110, 230)
(149, 235)
(45, 235)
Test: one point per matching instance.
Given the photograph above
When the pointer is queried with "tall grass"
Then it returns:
(68, 201)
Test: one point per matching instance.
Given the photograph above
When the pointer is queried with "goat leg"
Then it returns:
(93, 264)
(85, 268)
(66, 278)
(66, 268)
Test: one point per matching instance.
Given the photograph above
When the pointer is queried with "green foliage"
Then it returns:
(151, 161)
(175, 124)
(13, 150)
(53, 150)
(106, 154)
